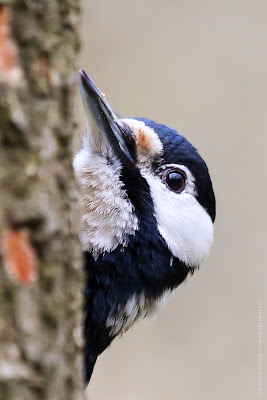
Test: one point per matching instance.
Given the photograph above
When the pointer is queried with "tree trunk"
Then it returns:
(40, 274)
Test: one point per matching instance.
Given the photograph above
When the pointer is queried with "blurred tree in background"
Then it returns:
(40, 278)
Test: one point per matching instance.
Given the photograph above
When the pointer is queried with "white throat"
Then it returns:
(107, 215)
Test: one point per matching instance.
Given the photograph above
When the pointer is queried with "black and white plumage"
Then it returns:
(148, 210)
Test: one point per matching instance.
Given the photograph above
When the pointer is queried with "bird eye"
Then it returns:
(175, 180)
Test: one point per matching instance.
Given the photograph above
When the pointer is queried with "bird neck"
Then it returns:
(145, 265)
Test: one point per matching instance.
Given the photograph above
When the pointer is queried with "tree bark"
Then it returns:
(40, 260)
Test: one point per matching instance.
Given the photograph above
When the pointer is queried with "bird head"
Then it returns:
(136, 176)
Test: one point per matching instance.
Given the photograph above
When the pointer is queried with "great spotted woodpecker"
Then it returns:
(148, 209)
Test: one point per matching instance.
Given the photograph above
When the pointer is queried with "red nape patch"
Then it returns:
(20, 258)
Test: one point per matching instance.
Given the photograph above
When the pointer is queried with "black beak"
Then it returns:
(103, 124)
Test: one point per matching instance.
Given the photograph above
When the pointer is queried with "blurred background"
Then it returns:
(200, 67)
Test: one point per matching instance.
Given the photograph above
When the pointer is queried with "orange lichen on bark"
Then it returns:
(20, 258)
(8, 50)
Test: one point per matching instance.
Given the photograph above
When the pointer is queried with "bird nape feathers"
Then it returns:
(148, 210)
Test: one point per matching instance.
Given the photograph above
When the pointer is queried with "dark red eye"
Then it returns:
(175, 180)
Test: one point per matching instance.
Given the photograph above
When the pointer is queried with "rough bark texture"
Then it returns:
(40, 274)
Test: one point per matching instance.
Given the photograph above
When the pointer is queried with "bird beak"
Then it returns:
(103, 125)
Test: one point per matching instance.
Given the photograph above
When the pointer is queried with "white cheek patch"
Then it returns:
(107, 215)
(182, 221)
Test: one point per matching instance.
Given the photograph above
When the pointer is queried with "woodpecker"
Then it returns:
(147, 209)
